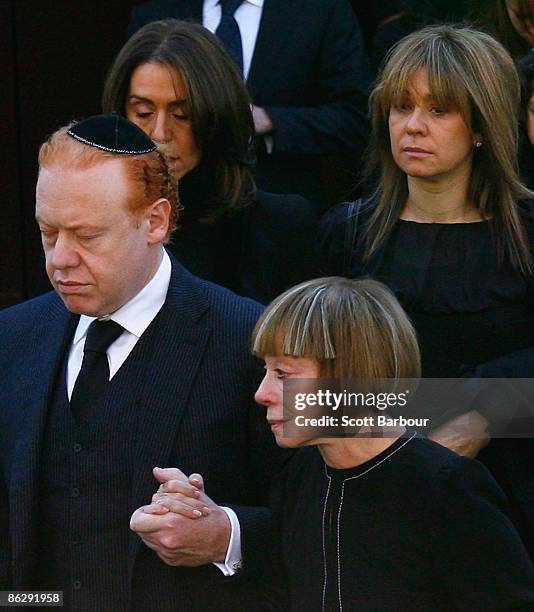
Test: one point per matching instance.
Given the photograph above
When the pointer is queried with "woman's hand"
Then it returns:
(164, 526)
(178, 494)
(465, 434)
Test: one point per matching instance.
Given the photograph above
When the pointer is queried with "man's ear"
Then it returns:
(158, 215)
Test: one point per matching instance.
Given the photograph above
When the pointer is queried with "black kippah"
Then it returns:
(112, 133)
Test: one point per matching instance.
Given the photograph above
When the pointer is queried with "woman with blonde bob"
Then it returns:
(374, 523)
(449, 227)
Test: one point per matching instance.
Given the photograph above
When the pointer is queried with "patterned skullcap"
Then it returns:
(112, 133)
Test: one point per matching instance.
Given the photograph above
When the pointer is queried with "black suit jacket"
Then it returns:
(310, 72)
(198, 396)
(259, 252)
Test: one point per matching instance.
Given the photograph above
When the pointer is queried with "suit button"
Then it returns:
(75, 492)
(77, 447)
(76, 585)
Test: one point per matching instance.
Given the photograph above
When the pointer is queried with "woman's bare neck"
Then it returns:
(435, 201)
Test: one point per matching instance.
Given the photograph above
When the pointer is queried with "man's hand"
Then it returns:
(262, 121)
(465, 435)
(175, 538)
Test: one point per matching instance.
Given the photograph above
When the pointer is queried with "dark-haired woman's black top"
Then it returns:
(257, 253)
(467, 309)
(526, 163)
(416, 528)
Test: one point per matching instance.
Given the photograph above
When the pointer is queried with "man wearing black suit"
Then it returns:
(307, 74)
(84, 422)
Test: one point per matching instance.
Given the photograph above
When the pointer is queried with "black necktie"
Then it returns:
(94, 373)
(228, 31)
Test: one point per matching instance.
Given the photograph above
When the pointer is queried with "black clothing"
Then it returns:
(93, 379)
(257, 253)
(385, 23)
(228, 32)
(85, 500)
(526, 162)
(467, 310)
(417, 528)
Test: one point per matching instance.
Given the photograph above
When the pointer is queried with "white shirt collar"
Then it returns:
(213, 3)
(137, 314)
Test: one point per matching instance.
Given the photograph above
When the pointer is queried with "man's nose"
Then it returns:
(64, 254)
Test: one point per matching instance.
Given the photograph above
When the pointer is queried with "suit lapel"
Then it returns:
(49, 344)
(275, 27)
(180, 340)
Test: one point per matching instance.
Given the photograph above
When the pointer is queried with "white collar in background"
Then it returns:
(213, 3)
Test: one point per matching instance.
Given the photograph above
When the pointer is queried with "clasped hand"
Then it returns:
(182, 524)
(466, 434)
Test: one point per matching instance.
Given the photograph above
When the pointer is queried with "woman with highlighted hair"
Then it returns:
(373, 523)
(450, 230)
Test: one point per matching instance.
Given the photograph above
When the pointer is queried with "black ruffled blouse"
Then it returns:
(467, 309)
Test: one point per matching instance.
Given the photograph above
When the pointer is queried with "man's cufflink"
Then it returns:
(237, 565)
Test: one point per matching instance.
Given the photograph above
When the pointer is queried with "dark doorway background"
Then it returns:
(54, 59)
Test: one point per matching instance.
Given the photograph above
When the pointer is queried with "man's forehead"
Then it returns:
(63, 170)
(64, 187)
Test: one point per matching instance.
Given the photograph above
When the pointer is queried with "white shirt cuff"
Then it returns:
(269, 143)
(233, 561)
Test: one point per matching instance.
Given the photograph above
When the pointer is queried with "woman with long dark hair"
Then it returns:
(176, 81)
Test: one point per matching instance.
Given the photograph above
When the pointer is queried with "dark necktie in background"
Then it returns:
(94, 373)
(228, 31)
